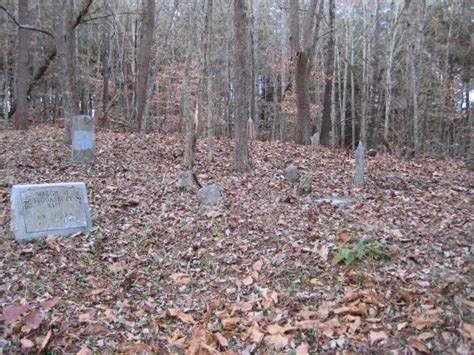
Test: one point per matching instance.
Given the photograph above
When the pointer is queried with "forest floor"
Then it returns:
(255, 273)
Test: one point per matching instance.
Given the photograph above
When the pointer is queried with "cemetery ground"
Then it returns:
(264, 270)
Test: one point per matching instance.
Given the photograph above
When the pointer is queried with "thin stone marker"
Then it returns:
(359, 166)
(83, 139)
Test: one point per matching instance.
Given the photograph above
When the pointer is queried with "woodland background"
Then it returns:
(392, 73)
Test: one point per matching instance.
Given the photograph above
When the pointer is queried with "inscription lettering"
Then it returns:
(52, 208)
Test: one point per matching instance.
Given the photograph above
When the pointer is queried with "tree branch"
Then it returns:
(23, 26)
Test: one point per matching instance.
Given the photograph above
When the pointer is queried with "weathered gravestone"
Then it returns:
(315, 139)
(291, 173)
(359, 166)
(304, 186)
(209, 195)
(83, 139)
(49, 209)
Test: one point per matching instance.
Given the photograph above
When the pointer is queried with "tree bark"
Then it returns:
(374, 93)
(21, 70)
(210, 120)
(241, 153)
(144, 61)
(302, 62)
(326, 119)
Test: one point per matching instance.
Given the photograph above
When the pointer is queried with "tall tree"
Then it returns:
(21, 70)
(66, 45)
(374, 87)
(144, 60)
(241, 153)
(210, 119)
(302, 62)
(328, 86)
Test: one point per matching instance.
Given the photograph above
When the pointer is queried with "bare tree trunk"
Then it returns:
(365, 75)
(190, 127)
(66, 54)
(144, 61)
(302, 66)
(326, 119)
(415, 74)
(210, 72)
(241, 153)
(353, 103)
(374, 93)
(21, 70)
(344, 88)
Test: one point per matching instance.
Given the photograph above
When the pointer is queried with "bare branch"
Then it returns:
(23, 26)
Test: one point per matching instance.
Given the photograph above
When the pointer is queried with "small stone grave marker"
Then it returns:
(359, 166)
(315, 139)
(83, 139)
(49, 209)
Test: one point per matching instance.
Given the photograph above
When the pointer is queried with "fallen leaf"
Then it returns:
(422, 322)
(186, 318)
(180, 279)
(344, 236)
(415, 344)
(257, 266)
(50, 303)
(255, 334)
(12, 313)
(221, 339)
(26, 343)
(34, 319)
(85, 351)
(229, 323)
(324, 252)
(302, 349)
(276, 341)
(277, 329)
(377, 336)
(469, 328)
(52, 243)
(46, 340)
(247, 281)
(424, 336)
(98, 291)
(96, 329)
(243, 306)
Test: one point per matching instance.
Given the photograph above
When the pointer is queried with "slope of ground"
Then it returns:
(160, 272)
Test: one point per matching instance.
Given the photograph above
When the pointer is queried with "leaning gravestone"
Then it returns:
(83, 139)
(49, 209)
(359, 167)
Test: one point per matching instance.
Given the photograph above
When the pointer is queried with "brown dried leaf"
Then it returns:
(186, 318)
(415, 344)
(85, 351)
(230, 323)
(276, 341)
(12, 313)
(221, 340)
(52, 243)
(277, 329)
(51, 303)
(248, 281)
(96, 329)
(302, 349)
(324, 252)
(34, 319)
(257, 266)
(377, 336)
(180, 279)
(26, 343)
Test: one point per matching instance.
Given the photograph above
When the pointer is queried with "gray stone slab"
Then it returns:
(49, 209)
(83, 139)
